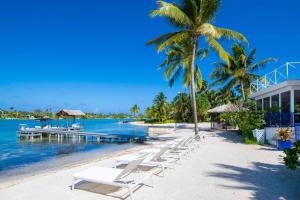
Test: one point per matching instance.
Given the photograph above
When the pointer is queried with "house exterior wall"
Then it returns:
(279, 89)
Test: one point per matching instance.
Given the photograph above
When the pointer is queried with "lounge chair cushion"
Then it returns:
(95, 174)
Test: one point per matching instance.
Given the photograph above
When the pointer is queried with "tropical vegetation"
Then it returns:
(246, 121)
(178, 110)
(12, 113)
(135, 110)
(238, 73)
(193, 20)
(292, 156)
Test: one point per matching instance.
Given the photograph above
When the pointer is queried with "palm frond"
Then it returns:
(176, 38)
(172, 12)
(161, 38)
(251, 56)
(207, 9)
(198, 78)
(203, 53)
(174, 76)
(208, 29)
(231, 34)
(170, 69)
(262, 64)
(218, 48)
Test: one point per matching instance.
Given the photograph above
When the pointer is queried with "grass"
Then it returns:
(248, 140)
(160, 122)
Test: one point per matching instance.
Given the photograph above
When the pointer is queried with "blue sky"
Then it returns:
(91, 54)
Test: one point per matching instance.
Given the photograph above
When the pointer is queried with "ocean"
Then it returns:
(21, 157)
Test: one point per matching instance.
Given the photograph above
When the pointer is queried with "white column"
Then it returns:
(279, 102)
(292, 100)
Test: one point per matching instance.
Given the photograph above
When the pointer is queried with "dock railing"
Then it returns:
(287, 71)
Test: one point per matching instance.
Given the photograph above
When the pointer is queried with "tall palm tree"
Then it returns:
(134, 110)
(178, 61)
(240, 73)
(193, 19)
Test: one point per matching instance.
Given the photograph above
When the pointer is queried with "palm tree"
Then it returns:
(182, 106)
(161, 106)
(240, 73)
(193, 19)
(135, 110)
(178, 61)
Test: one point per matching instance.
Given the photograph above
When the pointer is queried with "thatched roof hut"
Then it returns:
(70, 113)
(227, 108)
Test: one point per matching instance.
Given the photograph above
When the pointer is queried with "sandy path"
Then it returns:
(224, 168)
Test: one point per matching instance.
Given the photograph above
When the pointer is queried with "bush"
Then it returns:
(250, 140)
(291, 159)
(248, 121)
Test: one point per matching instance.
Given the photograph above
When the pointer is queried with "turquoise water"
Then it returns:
(15, 154)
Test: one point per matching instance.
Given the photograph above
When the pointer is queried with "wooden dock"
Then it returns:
(80, 135)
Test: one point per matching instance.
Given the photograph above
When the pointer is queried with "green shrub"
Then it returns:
(248, 121)
(250, 140)
(291, 159)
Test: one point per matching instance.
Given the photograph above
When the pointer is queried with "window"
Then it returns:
(275, 103)
(267, 104)
(259, 105)
(285, 102)
(297, 101)
(297, 106)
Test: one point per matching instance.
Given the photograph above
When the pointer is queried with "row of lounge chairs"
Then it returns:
(158, 158)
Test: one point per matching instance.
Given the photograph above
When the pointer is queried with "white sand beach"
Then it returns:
(223, 168)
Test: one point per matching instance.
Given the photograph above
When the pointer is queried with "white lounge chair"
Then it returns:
(113, 176)
(151, 159)
(182, 148)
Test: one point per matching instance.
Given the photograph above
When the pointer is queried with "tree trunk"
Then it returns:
(243, 91)
(193, 93)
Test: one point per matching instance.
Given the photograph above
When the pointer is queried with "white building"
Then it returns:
(278, 95)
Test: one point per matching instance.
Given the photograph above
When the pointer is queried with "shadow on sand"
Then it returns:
(228, 136)
(235, 137)
(266, 181)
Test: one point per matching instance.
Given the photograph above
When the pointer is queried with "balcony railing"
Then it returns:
(287, 71)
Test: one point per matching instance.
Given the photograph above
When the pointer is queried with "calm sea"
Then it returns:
(18, 157)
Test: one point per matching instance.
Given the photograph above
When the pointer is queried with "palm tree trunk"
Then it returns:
(243, 91)
(194, 105)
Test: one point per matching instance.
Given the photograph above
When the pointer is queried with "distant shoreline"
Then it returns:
(60, 118)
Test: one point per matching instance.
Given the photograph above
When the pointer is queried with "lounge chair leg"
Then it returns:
(152, 183)
(73, 184)
(163, 169)
(130, 192)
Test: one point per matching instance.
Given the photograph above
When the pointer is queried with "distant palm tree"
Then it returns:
(193, 19)
(240, 73)
(160, 105)
(178, 60)
(135, 110)
(182, 106)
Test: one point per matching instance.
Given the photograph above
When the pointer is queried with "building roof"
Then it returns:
(70, 113)
(227, 108)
